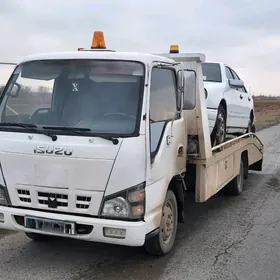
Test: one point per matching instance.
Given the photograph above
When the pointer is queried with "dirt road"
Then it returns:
(225, 238)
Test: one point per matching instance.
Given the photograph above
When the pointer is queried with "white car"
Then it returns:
(230, 107)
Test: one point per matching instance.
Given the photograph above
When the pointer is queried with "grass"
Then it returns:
(260, 125)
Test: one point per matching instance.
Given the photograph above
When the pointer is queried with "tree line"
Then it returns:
(28, 89)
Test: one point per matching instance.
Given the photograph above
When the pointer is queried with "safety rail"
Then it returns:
(229, 143)
(193, 157)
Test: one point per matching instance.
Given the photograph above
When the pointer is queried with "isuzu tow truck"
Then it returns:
(101, 146)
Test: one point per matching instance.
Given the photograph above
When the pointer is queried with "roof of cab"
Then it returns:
(130, 56)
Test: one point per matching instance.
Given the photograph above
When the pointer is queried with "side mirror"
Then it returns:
(180, 80)
(180, 87)
(236, 83)
(189, 90)
(14, 90)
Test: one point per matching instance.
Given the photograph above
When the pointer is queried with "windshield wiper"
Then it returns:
(29, 127)
(82, 131)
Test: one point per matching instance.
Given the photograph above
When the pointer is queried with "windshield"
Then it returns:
(103, 96)
(211, 72)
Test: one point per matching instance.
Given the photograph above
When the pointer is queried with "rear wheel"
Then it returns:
(251, 126)
(235, 187)
(218, 135)
(162, 243)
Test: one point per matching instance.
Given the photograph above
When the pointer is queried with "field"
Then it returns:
(267, 111)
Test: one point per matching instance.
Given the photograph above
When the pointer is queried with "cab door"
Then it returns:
(166, 140)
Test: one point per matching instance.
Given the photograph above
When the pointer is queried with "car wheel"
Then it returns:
(235, 187)
(251, 126)
(218, 135)
(162, 243)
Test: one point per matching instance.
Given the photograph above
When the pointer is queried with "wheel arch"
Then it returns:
(224, 104)
(176, 185)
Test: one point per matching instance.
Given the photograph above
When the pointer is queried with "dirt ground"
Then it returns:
(267, 111)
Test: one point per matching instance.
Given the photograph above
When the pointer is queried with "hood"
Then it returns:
(68, 163)
(71, 168)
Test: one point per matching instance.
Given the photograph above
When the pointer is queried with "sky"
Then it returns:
(244, 34)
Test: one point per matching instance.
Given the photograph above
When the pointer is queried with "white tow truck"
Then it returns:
(101, 146)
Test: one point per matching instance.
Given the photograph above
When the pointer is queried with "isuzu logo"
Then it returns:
(52, 201)
(53, 151)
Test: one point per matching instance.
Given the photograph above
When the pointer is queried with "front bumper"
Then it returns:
(135, 231)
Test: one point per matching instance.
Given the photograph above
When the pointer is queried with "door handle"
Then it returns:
(180, 151)
(241, 96)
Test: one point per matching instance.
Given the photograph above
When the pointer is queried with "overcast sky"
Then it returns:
(243, 33)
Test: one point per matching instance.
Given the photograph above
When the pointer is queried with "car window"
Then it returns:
(236, 77)
(234, 74)
(163, 104)
(211, 72)
(163, 95)
(229, 73)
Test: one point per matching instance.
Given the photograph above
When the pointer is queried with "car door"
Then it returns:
(234, 102)
(245, 107)
(165, 126)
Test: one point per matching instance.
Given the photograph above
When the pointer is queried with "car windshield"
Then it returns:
(211, 72)
(102, 96)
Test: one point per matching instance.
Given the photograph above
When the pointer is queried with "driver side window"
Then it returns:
(163, 104)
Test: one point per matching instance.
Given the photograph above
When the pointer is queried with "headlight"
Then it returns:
(128, 204)
(4, 197)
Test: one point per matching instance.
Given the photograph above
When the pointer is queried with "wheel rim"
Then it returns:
(167, 222)
(220, 135)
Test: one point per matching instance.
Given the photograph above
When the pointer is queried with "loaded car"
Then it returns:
(230, 107)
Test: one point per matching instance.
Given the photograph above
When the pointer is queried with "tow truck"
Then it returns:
(101, 146)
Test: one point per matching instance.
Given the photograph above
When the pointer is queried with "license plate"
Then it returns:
(48, 225)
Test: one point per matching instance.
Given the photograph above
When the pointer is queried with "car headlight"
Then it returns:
(4, 197)
(127, 204)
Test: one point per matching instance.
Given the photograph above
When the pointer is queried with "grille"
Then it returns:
(24, 196)
(62, 199)
(83, 202)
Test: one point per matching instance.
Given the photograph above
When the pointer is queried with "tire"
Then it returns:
(218, 136)
(38, 237)
(162, 243)
(251, 126)
(235, 187)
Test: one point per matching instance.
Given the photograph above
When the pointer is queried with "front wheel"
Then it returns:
(218, 135)
(162, 243)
